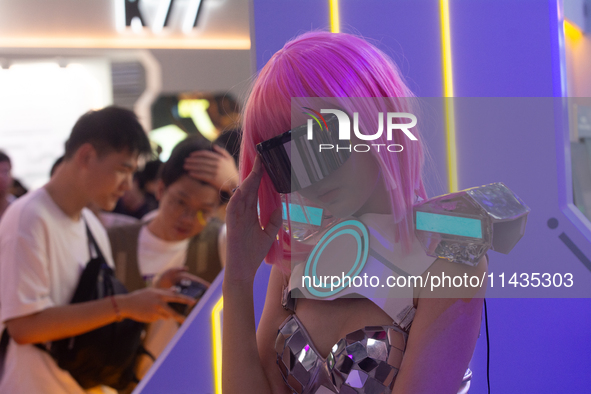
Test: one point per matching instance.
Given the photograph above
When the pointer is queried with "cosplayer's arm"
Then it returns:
(443, 335)
(272, 317)
(248, 243)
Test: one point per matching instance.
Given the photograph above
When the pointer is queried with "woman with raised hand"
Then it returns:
(352, 339)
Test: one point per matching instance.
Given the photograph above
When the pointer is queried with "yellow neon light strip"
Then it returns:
(216, 330)
(448, 91)
(572, 32)
(128, 43)
(335, 24)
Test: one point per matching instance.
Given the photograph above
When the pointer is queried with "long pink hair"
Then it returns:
(322, 64)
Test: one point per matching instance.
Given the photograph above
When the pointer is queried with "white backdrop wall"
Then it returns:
(38, 111)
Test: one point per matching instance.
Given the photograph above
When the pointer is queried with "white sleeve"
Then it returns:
(24, 272)
(222, 241)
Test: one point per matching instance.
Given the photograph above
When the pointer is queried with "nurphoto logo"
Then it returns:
(345, 129)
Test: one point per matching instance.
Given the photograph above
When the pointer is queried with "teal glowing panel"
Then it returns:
(445, 224)
(296, 213)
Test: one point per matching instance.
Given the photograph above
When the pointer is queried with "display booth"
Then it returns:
(510, 80)
(475, 52)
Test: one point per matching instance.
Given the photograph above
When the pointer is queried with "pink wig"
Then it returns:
(322, 64)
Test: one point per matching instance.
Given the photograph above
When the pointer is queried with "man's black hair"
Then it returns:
(174, 168)
(55, 165)
(150, 173)
(230, 141)
(109, 129)
(18, 189)
(4, 158)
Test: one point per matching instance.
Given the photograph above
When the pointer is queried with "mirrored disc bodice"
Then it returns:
(365, 361)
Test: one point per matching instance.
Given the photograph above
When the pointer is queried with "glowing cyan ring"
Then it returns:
(361, 235)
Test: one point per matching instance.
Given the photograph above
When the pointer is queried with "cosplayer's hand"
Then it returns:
(248, 240)
(217, 168)
(150, 304)
(173, 276)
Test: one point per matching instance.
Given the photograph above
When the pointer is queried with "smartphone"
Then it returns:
(189, 288)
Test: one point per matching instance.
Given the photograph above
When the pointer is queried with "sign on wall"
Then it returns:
(191, 24)
(160, 14)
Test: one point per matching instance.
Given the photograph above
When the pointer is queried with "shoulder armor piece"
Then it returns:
(463, 226)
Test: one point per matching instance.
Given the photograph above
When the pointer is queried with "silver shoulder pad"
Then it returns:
(463, 226)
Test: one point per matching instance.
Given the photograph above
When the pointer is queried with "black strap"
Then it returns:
(92, 242)
(142, 351)
(3, 350)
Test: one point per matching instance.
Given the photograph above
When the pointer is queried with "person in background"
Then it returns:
(218, 167)
(18, 189)
(44, 247)
(183, 234)
(224, 111)
(5, 182)
(148, 182)
(230, 141)
(137, 202)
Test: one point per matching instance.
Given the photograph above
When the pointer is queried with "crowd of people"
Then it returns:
(106, 219)
(155, 224)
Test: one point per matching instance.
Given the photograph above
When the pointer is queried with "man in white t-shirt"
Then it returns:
(44, 248)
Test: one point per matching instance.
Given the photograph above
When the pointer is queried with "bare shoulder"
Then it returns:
(444, 331)
(446, 279)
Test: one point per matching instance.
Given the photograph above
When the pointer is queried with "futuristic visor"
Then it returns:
(296, 159)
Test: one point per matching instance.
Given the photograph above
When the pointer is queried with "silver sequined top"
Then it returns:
(364, 361)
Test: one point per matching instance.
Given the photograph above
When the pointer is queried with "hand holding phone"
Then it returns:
(189, 288)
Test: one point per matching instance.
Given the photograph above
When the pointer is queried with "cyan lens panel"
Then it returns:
(445, 224)
(296, 213)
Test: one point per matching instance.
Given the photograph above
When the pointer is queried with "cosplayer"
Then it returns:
(315, 339)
